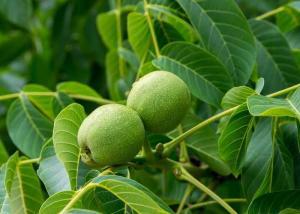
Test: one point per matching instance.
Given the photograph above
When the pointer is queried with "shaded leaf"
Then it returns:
(234, 139)
(65, 131)
(203, 143)
(51, 171)
(275, 202)
(17, 12)
(225, 32)
(3, 153)
(275, 62)
(203, 73)
(257, 170)
(27, 127)
(107, 27)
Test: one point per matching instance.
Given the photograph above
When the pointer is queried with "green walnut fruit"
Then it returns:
(161, 99)
(112, 134)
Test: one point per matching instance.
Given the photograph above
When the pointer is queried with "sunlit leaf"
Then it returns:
(65, 130)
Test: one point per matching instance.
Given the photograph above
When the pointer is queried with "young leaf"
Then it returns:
(76, 88)
(27, 127)
(225, 32)
(202, 72)
(51, 171)
(65, 130)
(275, 202)
(43, 103)
(275, 62)
(203, 143)
(266, 106)
(234, 139)
(236, 96)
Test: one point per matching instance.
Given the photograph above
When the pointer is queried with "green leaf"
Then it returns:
(203, 143)
(13, 45)
(275, 62)
(266, 106)
(275, 202)
(107, 27)
(17, 12)
(56, 202)
(76, 88)
(133, 194)
(236, 96)
(169, 16)
(51, 171)
(225, 32)
(10, 171)
(66, 126)
(289, 211)
(257, 170)
(139, 35)
(203, 73)
(4, 203)
(82, 211)
(25, 194)
(43, 103)
(289, 18)
(234, 139)
(112, 63)
(3, 153)
(27, 127)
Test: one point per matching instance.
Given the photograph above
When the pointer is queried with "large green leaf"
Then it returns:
(266, 106)
(107, 26)
(273, 203)
(289, 18)
(25, 193)
(202, 72)
(168, 15)
(225, 32)
(236, 96)
(43, 103)
(257, 170)
(234, 139)
(17, 11)
(203, 143)
(76, 88)
(56, 202)
(27, 127)
(139, 34)
(133, 194)
(52, 172)
(275, 62)
(66, 126)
